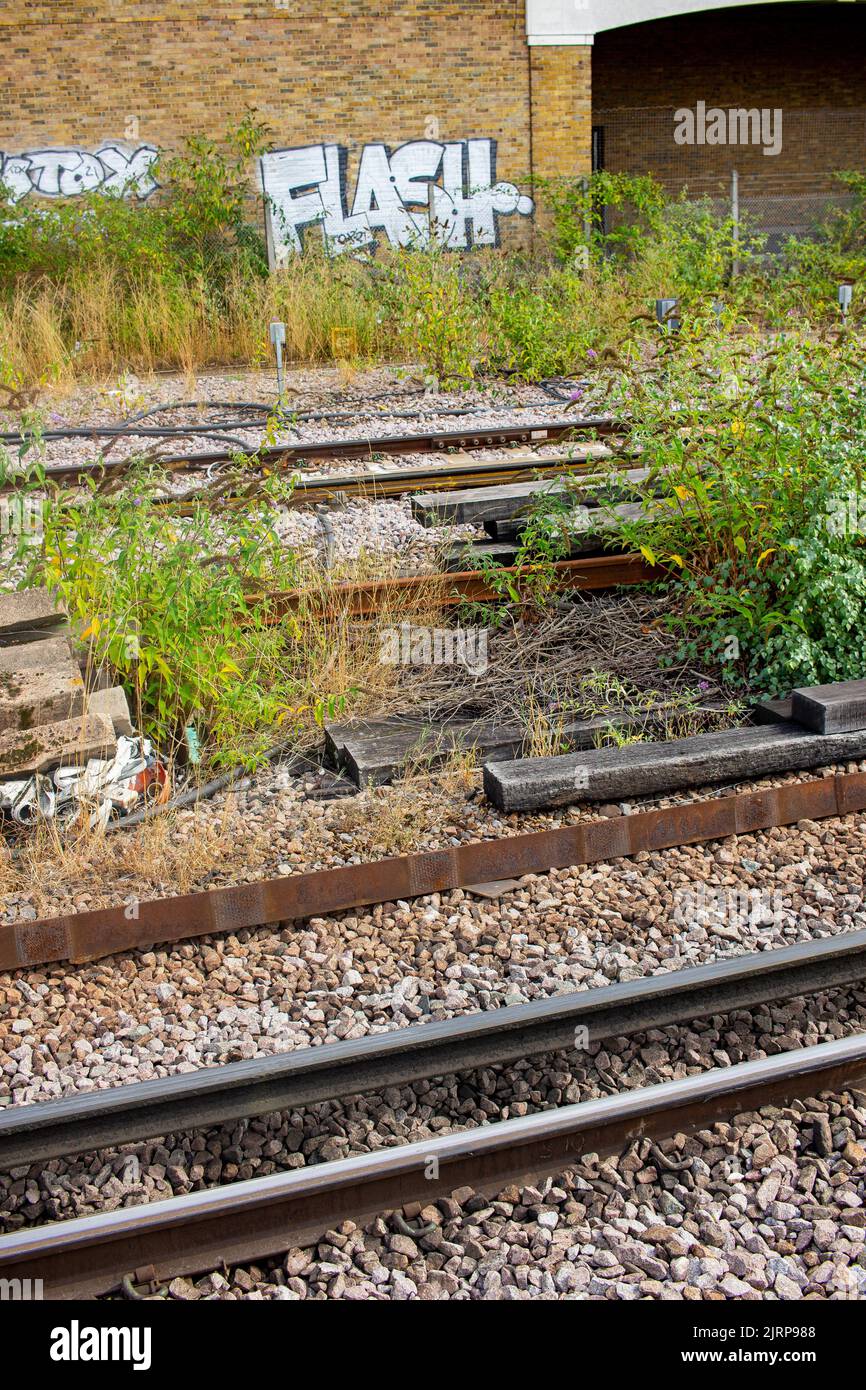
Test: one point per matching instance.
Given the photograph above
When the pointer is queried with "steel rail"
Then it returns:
(398, 481)
(432, 441)
(238, 1090)
(262, 1217)
(102, 932)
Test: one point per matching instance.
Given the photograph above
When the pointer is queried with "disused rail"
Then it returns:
(90, 935)
(287, 455)
(262, 1217)
(396, 482)
(306, 1076)
(368, 597)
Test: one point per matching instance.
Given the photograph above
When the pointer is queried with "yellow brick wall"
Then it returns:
(347, 72)
(561, 110)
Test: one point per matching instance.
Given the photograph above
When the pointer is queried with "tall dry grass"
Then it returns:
(96, 321)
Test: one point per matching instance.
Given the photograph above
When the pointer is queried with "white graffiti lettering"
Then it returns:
(423, 192)
(115, 167)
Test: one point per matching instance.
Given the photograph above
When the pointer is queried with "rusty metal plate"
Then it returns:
(232, 909)
(431, 873)
(90, 935)
(607, 839)
(520, 854)
(352, 885)
(36, 942)
(850, 792)
(681, 825)
(756, 811)
(807, 801)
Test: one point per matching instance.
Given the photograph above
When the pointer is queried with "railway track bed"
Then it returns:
(253, 1220)
(658, 1154)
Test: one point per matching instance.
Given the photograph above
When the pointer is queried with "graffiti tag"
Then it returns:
(115, 167)
(423, 192)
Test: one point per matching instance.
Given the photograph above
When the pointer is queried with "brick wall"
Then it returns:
(353, 71)
(347, 72)
(561, 109)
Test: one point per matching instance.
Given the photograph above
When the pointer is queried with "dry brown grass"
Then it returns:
(94, 323)
(162, 857)
(545, 736)
(399, 819)
(342, 653)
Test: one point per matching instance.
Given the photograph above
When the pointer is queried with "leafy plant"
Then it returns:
(436, 314)
(753, 448)
(164, 604)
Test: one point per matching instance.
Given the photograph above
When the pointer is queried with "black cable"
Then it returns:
(132, 428)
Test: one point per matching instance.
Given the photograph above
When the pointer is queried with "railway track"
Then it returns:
(396, 482)
(262, 1217)
(368, 597)
(286, 456)
(257, 1219)
(239, 1090)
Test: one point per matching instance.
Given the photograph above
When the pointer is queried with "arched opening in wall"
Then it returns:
(775, 94)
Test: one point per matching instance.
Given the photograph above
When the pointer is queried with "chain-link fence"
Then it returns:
(774, 168)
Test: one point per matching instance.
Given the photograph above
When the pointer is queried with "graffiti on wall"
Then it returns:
(114, 167)
(425, 191)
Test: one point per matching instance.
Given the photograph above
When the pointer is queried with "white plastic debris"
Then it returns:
(110, 785)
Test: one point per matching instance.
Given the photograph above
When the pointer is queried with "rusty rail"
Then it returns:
(446, 590)
(90, 935)
(262, 1217)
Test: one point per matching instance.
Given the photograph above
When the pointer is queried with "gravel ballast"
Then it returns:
(767, 1207)
(139, 1015)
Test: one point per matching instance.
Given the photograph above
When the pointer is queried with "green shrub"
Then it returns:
(163, 603)
(755, 451)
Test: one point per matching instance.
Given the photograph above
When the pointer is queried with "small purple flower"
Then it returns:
(576, 395)
(592, 354)
(703, 685)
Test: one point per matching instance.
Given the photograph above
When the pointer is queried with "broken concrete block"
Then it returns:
(68, 740)
(25, 611)
(31, 698)
(831, 709)
(640, 769)
(42, 655)
(112, 702)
